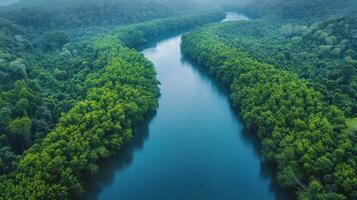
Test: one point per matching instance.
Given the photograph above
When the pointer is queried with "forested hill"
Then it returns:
(298, 9)
(64, 14)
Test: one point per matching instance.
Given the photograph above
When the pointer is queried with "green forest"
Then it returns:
(324, 53)
(68, 101)
(74, 86)
(294, 83)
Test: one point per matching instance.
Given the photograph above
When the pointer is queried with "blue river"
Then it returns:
(194, 148)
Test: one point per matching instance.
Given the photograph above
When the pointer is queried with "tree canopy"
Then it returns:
(305, 136)
(74, 104)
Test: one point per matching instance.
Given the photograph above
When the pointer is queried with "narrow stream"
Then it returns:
(194, 148)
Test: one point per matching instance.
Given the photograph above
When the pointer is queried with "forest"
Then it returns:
(293, 82)
(305, 10)
(74, 86)
(67, 102)
(323, 53)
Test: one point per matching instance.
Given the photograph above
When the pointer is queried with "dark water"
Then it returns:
(193, 148)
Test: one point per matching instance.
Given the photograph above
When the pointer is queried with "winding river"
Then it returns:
(194, 148)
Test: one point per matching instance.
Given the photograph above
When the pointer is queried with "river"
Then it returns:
(194, 148)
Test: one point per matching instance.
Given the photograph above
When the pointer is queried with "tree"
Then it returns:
(22, 106)
(21, 127)
(5, 116)
(18, 69)
(54, 40)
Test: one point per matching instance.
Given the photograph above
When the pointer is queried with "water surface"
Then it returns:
(193, 148)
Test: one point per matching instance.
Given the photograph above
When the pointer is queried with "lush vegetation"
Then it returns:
(36, 88)
(298, 9)
(64, 14)
(292, 75)
(72, 90)
(324, 53)
(305, 136)
(118, 97)
(139, 34)
(102, 89)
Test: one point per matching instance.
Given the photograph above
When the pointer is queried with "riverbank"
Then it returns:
(194, 148)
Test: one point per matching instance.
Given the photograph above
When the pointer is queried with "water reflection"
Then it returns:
(120, 161)
(267, 170)
(197, 148)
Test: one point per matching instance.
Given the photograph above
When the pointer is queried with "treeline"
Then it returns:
(35, 88)
(42, 74)
(118, 87)
(40, 77)
(64, 14)
(137, 35)
(118, 97)
(297, 9)
(303, 135)
(324, 53)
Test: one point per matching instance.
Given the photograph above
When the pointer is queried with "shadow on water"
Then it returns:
(267, 170)
(119, 161)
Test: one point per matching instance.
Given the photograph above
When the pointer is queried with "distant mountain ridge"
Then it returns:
(62, 14)
(7, 2)
(299, 9)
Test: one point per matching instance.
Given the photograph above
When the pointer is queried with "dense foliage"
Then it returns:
(325, 53)
(35, 89)
(118, 97)
(139, 34)
(64, 14)
(298, 9)
(71, 90)
(42, 79)
(107, 89)
(306, 137)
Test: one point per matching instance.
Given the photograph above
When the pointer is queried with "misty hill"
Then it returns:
(298, 9)
(7, 2)
(81, 13)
